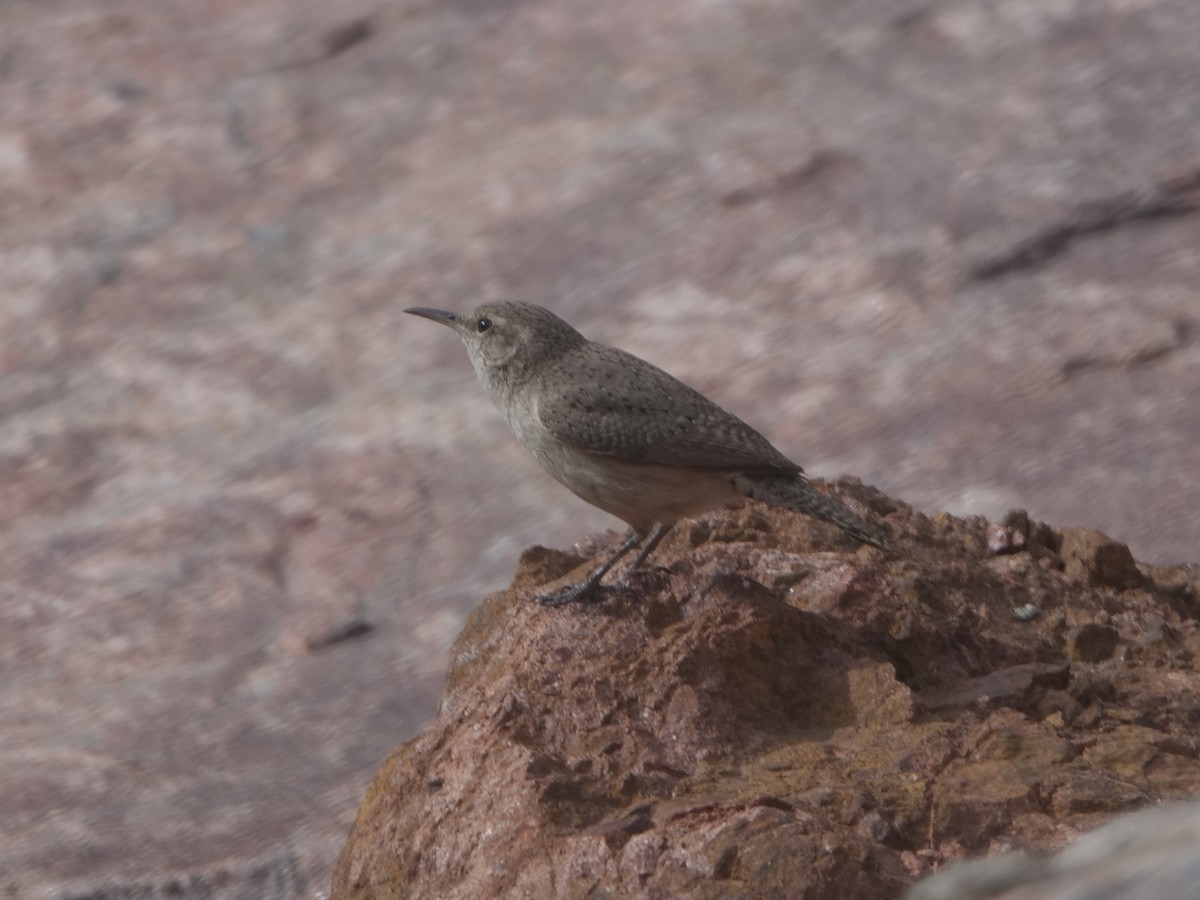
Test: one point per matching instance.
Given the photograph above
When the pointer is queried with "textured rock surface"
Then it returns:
(1155, 853)
(951, 248)
(762, 718)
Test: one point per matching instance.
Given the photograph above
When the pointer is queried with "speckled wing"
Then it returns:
(609, 402)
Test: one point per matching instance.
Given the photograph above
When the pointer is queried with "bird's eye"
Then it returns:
(484, 324)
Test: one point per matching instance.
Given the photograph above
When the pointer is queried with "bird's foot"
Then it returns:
(571, 593)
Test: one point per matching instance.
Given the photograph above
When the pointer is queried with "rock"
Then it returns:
(698, 733)
(1026, 612)
(1092, 643)
(877, 698)
(1017, 532)
(1154, 853)
(1097, 559)
(1012, 686)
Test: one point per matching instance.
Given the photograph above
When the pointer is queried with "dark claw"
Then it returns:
(569, 594)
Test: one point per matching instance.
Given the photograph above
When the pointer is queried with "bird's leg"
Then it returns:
(656, 536)
(573, 592)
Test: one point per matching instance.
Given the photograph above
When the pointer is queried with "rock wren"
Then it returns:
(623, 434)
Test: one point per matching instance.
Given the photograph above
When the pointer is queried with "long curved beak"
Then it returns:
(437, 315)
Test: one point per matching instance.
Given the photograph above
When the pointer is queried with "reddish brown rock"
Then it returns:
(1092, 642)
(697, 732)
(1098, 559)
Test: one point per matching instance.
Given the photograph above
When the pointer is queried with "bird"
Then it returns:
(624, 435)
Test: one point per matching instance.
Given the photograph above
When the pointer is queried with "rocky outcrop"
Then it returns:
(772, 712)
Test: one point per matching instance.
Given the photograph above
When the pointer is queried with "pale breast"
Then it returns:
(642, 495)
(639, 493)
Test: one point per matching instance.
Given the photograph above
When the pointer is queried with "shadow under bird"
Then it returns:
(624, 435)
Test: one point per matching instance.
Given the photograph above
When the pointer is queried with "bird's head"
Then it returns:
(507, 340)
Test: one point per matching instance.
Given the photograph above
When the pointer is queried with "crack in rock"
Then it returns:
(1169, 199)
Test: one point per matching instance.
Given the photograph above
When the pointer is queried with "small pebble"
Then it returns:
(1026, 613)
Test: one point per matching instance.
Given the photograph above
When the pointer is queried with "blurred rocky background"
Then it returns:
(246, 503)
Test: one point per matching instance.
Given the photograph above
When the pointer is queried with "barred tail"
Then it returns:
(793, 492)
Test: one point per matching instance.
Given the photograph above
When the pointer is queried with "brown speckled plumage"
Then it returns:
(604, 400)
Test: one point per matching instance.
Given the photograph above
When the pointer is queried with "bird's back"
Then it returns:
(605, 401)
